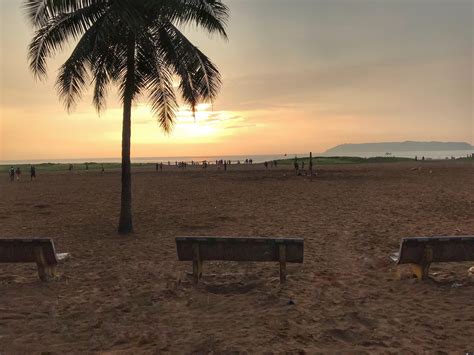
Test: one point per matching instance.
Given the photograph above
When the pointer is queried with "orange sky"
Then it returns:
(298, 76)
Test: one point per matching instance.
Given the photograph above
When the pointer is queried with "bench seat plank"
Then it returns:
(23, 250)
(240, 249)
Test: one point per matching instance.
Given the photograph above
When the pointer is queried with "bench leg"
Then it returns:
(282, 252)
(45, 272)
(421, 270)
(197, 263)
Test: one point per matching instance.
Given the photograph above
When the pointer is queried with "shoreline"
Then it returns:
(317, 160)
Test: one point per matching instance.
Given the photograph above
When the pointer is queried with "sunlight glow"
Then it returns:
(204, 126)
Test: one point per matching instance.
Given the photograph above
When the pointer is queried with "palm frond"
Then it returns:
(102, 77)
(39, 12)
(72, 79)
(108, 60)
(56, 32)
(175, 57)
(73, 73)
(199, 78)
(212, 15)
(162, 95)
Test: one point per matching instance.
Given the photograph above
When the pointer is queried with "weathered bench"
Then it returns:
(199, 249)
(39, 251)
(421, 252)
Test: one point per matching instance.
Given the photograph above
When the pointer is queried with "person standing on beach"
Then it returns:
(12, 174)
(266, 165)
(32, 173)
(297, 167)
(18, 173)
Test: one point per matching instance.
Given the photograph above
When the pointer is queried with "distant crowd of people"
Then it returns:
(272, 163)
(300, 168)
(15, 173)
(220, 163)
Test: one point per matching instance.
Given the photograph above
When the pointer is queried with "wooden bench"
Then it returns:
(200, 249)
(39, 251)
(421, 252)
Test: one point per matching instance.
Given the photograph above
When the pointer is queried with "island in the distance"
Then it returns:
(399, 147)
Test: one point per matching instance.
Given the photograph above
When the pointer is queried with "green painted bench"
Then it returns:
(421, 252)
(40, 251)
(200, 249)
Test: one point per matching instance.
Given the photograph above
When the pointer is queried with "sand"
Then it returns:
(131, 294)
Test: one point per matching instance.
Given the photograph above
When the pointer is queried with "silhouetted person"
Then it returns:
(32, 173)
(225, 165)
(103, 170)
(71, 167)
(266, 165)
(297, 167)
(12, 174)
(156, 167)
(18, 173)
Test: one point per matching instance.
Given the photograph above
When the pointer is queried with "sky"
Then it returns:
(298, 76)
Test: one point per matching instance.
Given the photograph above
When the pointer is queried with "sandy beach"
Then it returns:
(131, 294)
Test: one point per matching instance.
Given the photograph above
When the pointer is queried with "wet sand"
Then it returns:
(131, 294)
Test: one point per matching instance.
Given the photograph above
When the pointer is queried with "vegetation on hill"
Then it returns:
(345, 160)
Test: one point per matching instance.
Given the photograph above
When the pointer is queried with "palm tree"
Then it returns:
(134, 44)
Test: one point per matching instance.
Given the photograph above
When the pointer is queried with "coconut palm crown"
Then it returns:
(135, 45)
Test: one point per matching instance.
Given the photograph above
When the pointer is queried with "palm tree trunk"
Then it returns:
(125, 222)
